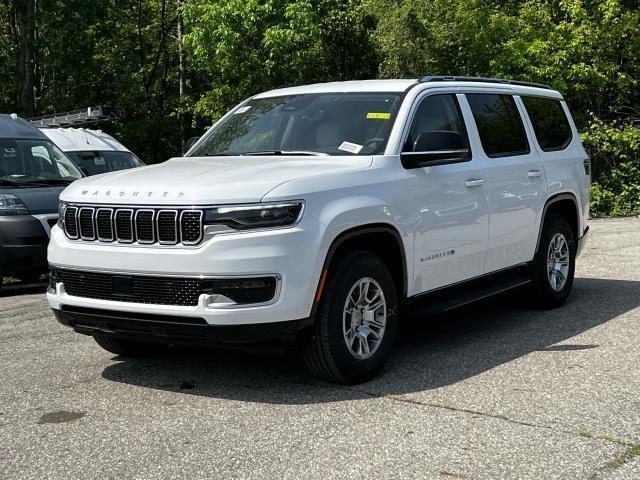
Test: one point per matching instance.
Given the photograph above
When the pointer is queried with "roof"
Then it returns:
(83, 139)
(14, 127)
(401, 85)
(338, 87)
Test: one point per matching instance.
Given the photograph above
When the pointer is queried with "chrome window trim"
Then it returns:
(201, 229)
(93, 222)
(111, 218)
(115, 221)
(153, 226)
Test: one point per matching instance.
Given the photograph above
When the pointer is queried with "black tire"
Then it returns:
(546, 296)
(326, 353)
(130, 348)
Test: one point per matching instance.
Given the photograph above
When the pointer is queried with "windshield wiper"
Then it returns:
(9, 183)
(215, 154)
(287, 152)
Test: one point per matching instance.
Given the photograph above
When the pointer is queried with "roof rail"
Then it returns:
(76, 118)
(455, 78)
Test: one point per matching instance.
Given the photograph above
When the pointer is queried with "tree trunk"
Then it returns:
(182, 79)
(25, 23)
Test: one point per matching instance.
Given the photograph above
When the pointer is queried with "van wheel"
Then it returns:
(555, 263)
(356, 322)
(130, 348)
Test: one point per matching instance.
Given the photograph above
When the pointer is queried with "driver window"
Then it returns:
(436, 114)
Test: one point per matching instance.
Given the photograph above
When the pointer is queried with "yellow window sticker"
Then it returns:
(379, 115)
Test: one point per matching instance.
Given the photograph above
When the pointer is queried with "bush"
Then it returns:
(614, 149)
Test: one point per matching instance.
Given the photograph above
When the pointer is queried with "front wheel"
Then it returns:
(356, 322)
(555, 263)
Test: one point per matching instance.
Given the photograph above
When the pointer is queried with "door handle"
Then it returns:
(473, 182)
(534, 173)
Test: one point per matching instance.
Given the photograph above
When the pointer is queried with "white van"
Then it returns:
(93, 151)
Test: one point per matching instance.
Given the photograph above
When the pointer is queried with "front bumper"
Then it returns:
(289, 254)
(23, 246)
(176, 330)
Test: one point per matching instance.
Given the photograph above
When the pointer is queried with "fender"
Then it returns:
(352, 233)
(555, 199)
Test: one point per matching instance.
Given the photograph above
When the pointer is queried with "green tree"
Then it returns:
(243, 47)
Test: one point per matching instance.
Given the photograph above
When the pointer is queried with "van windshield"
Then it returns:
(35, 163)
(96, 162)
(310, 124)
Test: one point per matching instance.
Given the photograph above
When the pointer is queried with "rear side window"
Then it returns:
(499, 124)
(549, 121)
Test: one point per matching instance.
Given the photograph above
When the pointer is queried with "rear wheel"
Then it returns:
(356, 322)
(554, 264)
(130, 348)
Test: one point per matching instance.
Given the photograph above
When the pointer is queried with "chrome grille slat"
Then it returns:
(191, 226)
(104, 224)
(145, 226)
(71, 222)
(124, 225)
(86, 223)
(167, 226)
(130, 225)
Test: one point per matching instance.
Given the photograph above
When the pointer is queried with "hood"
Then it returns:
(205, 180)
(39, 200)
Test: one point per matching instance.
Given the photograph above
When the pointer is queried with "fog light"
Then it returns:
(241, 292)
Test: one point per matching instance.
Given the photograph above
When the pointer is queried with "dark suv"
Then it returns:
(33, 172)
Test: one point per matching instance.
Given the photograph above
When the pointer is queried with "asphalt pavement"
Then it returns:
(498, 390)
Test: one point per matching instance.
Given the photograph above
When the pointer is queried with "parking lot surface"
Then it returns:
(497, 390)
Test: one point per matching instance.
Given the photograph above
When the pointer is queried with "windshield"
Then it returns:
(95, 162)
(322, 124)
(40, 162)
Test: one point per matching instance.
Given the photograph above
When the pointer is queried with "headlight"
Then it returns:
(12, 205)
(246, 217)
(61, 207)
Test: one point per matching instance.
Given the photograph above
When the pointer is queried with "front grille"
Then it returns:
(134, 225)
(130, 288)
(71, 222)
(124, 225)
(168, 226)
(104, 224)
(85, 220)
(144, 226)
(191, 226)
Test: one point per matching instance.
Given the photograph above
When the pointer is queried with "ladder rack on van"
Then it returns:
(76, 118)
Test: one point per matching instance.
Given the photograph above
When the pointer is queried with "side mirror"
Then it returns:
(436, 147)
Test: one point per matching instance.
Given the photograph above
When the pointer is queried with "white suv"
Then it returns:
(318, 213)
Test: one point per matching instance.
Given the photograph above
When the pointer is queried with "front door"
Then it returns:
(449, 201)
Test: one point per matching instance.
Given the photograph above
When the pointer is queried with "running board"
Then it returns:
(448, 298)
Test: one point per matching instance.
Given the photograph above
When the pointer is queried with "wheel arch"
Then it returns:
(566, 205)
(378, 236)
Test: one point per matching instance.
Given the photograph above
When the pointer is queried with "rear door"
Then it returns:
(515, 176)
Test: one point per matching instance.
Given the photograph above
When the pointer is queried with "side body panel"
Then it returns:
(516, 197)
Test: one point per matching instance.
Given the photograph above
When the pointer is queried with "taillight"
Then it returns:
(587, 166)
